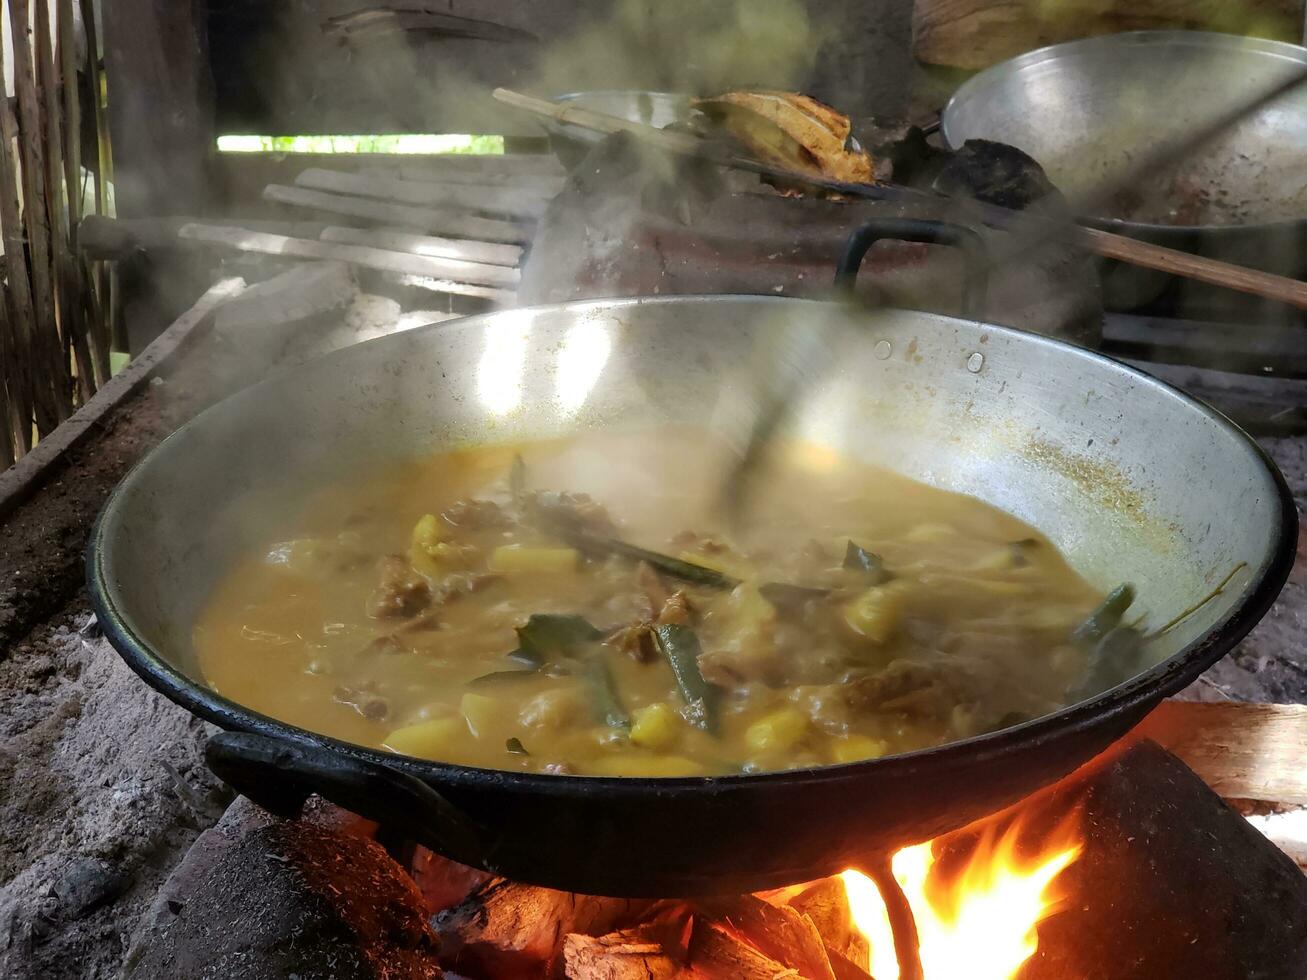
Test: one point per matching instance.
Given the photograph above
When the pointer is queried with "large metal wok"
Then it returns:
(1133, 479)
(1087, 109)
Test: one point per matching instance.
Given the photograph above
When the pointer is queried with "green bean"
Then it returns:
(1105, 618)
(496, 677)
(517, 479)
(680, 647)
(604, 699)
(1116, 658)
(859, 559)
(675, 567)
(788, 596)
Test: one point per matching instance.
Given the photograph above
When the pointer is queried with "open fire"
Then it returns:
(977, 921)
(976, 896)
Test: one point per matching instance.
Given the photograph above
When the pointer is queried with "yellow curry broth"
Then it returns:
(969, 633)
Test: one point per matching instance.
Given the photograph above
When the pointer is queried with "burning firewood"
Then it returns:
(632, 954)
(792, 131)
(507, 929)
(826, 903)
(717, 953)
(442, 882)
(778, 931)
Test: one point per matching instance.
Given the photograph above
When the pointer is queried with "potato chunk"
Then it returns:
(656, 726)
(433, 739)
(778, 731)
(874, 615)
(514, 559)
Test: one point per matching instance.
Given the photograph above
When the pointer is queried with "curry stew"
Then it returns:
(579, 607)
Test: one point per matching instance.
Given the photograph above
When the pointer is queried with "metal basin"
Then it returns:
(1132, 479)
(1085, 109)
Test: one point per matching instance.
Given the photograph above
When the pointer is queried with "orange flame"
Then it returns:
(981, 923)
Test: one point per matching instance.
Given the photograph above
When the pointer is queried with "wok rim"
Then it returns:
(1206, 39)
(1145, 689)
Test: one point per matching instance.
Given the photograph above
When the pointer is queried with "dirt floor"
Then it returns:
(102, 783)
(102, 790)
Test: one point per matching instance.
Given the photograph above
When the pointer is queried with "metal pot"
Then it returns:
(1133, 479)
(1086, 108)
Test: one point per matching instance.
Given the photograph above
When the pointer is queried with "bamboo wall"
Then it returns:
(55, 318)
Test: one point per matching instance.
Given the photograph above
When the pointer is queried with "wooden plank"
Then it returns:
(978, 33)
(508, 201)
(444, 223)
(1238, 347)
(452, 166)
(444, 248)
(1242, 751)
(1263, 406)
(370, 258)
(548, 181)
(31, 471)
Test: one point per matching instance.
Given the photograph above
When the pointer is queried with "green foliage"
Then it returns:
(422, 143)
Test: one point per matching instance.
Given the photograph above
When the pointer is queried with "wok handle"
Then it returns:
(280, 775)
(975, 282)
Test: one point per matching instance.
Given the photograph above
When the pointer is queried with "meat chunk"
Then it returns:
(364, 699)
(570, 511)
(676, 610)
(401, 591)
(924, 690)
(650, 583)
(476, 515)
(636, 642)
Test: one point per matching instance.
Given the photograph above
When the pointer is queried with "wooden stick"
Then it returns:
(49, 372)
(60, 192)
(8, 420)
(510, 202)
(91, 321)
(20, 322)
(1103, 243)
(445, 223)
(1211, 271)
(102, 276)
(567, 114)
(371, 258)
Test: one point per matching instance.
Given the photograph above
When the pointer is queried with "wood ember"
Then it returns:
(631, 954)
(509, 929)
(717, 953)
(778, 931)
(443, 883)
(826, 903)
